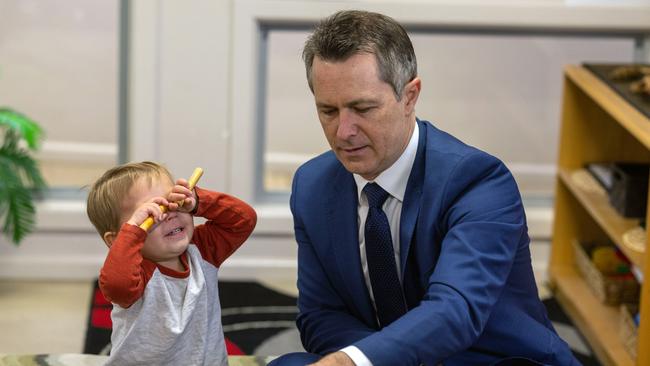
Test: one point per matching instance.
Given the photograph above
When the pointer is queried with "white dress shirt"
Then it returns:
(393, 180)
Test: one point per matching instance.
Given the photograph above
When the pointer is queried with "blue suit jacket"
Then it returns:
(465, 261)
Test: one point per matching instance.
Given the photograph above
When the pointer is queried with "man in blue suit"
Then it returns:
(412, 246)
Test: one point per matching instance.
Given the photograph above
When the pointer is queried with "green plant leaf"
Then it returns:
(22, 125)
(10, 179)
(20, 164)
(19, 217)
(16, 207)
(20, 176)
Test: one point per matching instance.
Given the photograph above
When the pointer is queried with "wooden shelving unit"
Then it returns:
(597, 126)
(596, 202)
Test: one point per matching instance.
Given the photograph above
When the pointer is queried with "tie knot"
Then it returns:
(375, 194)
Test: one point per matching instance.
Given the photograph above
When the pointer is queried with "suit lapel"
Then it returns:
(411, 204)
(344, 238)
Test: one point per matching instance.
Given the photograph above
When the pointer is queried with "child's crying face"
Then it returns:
(169, 238)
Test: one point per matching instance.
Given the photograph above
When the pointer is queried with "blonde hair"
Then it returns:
(104, 205)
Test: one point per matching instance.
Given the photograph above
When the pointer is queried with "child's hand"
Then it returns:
(151, 208)
(181, 193)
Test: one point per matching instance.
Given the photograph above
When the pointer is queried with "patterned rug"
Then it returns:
(260, 321)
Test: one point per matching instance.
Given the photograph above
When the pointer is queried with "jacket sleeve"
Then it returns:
(229, 223)
(484, 222)
(324, 322)
(125, 273)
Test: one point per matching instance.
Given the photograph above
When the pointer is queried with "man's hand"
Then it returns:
(335, 359)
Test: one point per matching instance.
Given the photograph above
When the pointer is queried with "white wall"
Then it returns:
(192, 99)
(59, 66)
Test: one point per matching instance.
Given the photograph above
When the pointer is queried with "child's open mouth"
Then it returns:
(176, 231)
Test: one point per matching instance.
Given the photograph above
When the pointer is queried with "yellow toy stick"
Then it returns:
(198, 172)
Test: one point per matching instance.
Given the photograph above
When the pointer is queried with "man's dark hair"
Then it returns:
(350, 32)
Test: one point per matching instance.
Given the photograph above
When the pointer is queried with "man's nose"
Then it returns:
(347, 125)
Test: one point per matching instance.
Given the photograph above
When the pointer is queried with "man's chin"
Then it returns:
(353, 167)
(359, 169)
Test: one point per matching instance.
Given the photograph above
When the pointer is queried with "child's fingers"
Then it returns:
(179, 189)
(149, 209)
(154, 210)
(173, 206)
(160, 201)
(156, 202)
(189, 203)
(176, 198)
(179, 194)
(182, 182)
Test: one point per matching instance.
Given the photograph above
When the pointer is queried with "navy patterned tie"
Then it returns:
(386, 288)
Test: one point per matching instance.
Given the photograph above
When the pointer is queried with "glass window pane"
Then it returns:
(292, 134)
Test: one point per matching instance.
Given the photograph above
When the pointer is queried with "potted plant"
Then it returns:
(20, 176)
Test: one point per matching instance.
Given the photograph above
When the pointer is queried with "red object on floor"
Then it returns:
(232, 349)
(99, 299)
(101, 318)
(100, 315)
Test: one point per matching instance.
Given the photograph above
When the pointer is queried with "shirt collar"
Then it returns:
(394, 179)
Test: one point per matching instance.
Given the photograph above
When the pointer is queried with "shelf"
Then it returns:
(597, 322)
(583, 186)
(612, 103)
(598, 126)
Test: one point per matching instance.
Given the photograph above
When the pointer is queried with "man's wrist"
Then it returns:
(357, 357)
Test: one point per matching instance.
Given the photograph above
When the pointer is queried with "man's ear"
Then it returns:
(411, 94)
(109, 236)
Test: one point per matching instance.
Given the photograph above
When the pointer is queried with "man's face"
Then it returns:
(364, 123)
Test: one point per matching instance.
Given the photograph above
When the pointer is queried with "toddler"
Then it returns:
(163, 283)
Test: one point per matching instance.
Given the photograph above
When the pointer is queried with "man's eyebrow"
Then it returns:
(356, 102)
(323, 105)
(353, 103)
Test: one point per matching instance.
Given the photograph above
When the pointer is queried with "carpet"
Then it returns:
(260, 321)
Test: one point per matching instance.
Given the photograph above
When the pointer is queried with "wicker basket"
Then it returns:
(609, 290)
(627, 329)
